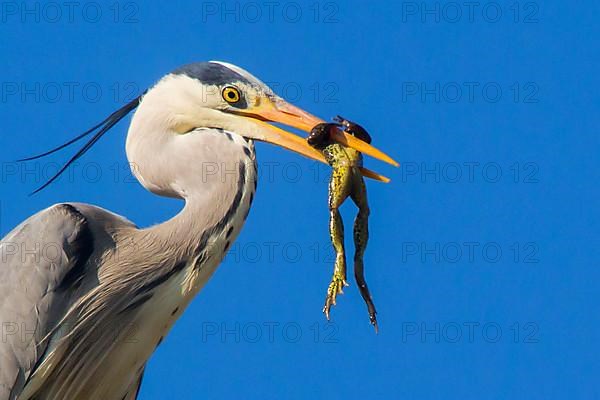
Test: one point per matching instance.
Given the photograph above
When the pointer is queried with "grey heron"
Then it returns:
(66, 319)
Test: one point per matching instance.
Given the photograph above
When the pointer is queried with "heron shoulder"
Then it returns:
(40, 269)
(102, 219)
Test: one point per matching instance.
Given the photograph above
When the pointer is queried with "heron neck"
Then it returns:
(212, 206)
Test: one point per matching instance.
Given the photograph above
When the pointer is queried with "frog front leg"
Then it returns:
(361, 236)
(339, 188)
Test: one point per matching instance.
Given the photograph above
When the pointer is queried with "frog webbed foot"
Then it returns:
(353, 128)
(335, 287)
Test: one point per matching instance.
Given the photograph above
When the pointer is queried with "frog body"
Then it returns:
(346, 181)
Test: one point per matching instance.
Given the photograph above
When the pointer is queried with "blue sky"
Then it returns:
(483, 252)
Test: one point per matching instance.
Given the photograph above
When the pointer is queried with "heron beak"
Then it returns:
(275, 109)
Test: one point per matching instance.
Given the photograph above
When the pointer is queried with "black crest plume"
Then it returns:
(101, 128)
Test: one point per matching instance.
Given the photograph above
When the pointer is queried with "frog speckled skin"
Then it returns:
(346, 180)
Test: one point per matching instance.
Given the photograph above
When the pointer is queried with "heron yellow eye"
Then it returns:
(231, 94)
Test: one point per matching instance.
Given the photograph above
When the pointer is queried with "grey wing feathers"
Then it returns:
(42, 261)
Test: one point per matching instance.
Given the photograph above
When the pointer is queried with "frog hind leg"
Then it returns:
(339, 189)
(361, 236)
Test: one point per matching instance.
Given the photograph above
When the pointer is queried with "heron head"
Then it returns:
(221, 95)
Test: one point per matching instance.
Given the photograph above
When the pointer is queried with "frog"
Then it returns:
(346, 181)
